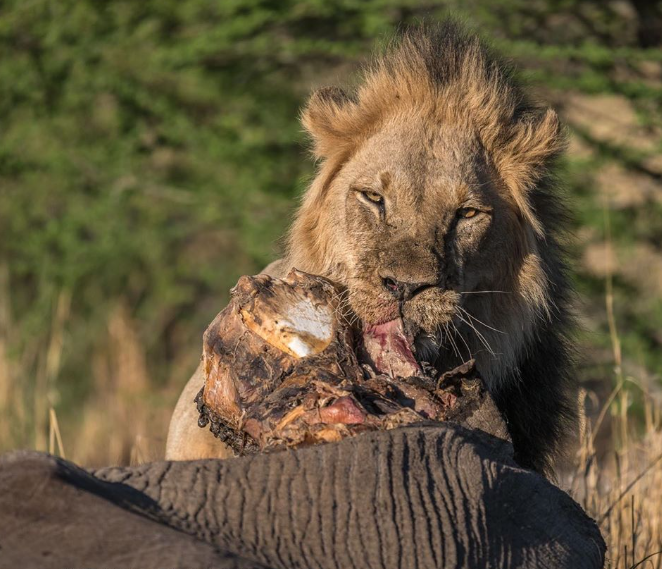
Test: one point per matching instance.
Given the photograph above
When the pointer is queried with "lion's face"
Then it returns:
(420, 225)
(426, 205)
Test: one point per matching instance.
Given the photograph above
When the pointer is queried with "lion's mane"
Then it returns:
(446, 73)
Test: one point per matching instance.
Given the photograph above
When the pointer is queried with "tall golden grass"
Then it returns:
(620, 486)
(619, 483)
(125, 419)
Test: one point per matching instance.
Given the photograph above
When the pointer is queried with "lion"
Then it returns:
(435, 200)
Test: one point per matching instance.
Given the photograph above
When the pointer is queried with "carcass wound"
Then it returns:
(281, 370)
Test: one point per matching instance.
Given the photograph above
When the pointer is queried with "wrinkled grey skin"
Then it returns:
(425, 496)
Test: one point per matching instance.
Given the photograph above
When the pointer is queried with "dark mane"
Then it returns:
(449, 76)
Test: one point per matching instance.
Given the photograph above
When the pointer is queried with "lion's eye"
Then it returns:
(373, 197)
(467, 212)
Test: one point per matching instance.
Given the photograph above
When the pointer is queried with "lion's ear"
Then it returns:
(535, 139)
(523, 159)
(328, 119)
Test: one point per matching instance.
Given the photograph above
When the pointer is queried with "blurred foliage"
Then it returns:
(150, 153)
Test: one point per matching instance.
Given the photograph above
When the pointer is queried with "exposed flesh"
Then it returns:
(281, 370)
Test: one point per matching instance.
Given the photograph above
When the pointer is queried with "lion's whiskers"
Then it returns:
(479, 335)
(484, 292)
(342, 306)
(472, 317)
(452, 341)
(463, 340)
(344, 310)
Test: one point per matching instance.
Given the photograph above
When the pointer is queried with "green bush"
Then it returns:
(150, 151)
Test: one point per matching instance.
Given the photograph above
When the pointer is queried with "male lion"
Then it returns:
(435, 201)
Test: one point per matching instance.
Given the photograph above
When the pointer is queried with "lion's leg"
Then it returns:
(187, 441)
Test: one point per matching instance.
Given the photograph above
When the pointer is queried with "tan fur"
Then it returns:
(187, 441)
(436, 126)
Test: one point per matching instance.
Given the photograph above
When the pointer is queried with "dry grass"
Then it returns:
(123, 421)
(621, 486)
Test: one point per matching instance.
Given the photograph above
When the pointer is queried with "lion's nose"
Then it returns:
(403, 290)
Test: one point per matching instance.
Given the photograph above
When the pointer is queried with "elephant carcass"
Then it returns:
(281, 370)
(437, 495)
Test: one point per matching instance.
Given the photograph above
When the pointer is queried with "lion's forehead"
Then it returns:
(442, 166)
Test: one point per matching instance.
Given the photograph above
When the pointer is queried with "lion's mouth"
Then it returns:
(389, 348)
